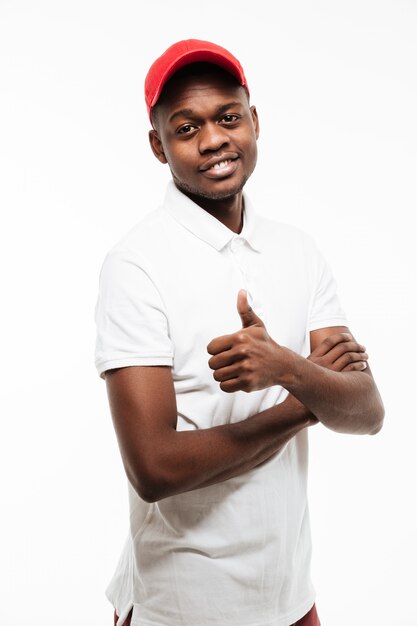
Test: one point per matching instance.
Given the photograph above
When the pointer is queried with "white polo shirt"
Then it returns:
(236, 553)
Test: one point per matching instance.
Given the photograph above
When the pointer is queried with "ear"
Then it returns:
(157, 147)
(255, 120)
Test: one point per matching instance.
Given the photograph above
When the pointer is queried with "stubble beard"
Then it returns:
(210, 195)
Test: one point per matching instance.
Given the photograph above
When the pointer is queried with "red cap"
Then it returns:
(183, 53)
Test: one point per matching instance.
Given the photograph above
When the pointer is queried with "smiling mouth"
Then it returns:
(221, 169)
(219, 161)
(221, 165)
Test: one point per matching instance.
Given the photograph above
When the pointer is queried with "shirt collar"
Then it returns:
(205, 226)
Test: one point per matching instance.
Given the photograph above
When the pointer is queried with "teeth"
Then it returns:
(218, 166)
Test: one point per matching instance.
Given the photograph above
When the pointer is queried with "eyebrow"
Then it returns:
(190, 113)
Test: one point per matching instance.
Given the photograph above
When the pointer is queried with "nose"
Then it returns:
(212, 137)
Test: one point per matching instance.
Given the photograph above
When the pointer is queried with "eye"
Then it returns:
(187, 128)
(230, 118)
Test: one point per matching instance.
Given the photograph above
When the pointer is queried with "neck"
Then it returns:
(229, 211)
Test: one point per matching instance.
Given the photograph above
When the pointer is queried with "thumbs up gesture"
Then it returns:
(249, 359)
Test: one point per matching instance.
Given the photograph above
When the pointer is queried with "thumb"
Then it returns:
(247, 315)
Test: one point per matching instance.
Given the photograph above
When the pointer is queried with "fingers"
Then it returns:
(228, 357)
(230, 386)
(337, 345)
(227, 373)
(347, 348)
(351, 361)
(340, 353)
(232, 369)
(359, 366)
(223, 359)
(331, 342)
(238, 376)
(220, 344)
(235, 384)
(237, 341)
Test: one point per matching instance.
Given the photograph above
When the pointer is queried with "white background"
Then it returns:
(335, 86)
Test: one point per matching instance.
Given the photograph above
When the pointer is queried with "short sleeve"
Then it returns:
(326, 309)
(131, 321)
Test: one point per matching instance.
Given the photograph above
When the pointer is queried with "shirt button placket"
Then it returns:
(241, 255)
(237, 246)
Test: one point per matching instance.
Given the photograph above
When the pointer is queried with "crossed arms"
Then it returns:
(333, 386)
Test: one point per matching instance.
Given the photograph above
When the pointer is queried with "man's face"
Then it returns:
(207, 133)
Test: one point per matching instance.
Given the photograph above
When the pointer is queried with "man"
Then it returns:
(221, 340)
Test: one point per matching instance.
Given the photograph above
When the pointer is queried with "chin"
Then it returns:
(211, 194)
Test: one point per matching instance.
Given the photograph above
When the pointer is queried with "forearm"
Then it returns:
(347, 402)
(188, 460)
